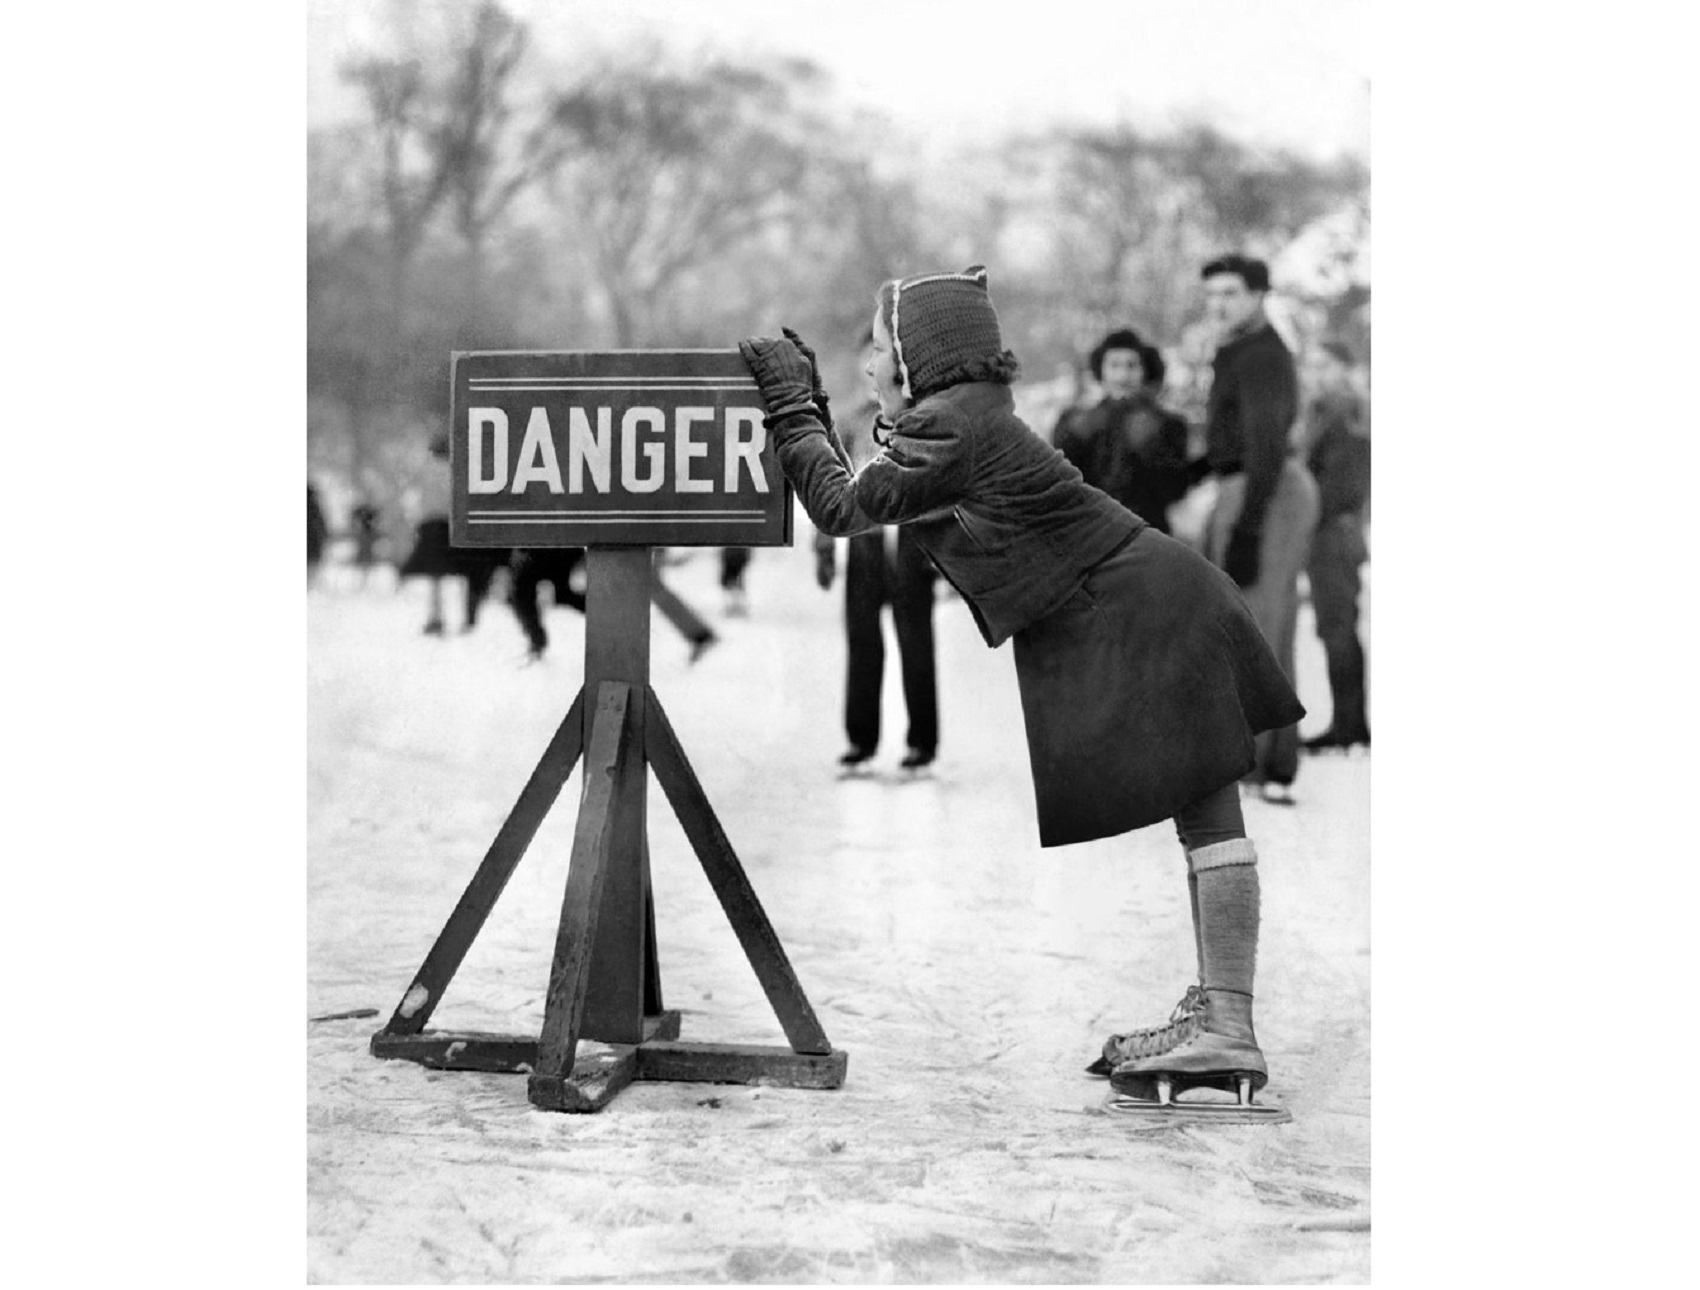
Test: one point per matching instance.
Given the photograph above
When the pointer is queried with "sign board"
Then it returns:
(618, 448)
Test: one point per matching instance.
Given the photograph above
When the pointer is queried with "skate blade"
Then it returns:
(1149, 1114)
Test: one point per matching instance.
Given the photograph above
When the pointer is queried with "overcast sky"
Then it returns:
(1287, 72)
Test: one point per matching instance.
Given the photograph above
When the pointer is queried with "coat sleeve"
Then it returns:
(923, 467)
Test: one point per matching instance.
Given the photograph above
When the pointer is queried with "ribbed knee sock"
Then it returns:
(1197, 932)
(1224, 877)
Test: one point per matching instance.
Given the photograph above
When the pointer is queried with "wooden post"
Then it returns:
(604, 979)
(616, 648)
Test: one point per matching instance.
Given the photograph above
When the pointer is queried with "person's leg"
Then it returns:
(912, 616)
(1226, 899)
(1274, 599)
(683, 618)
(478, 578)
(733, 561)
(864, 594)
(1222, 873)
(434, 614)
(1335, 583)
(565, 566)
(523, 598)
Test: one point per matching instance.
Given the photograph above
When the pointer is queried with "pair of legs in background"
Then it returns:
(562, 566)
(888, 567)
(1273, 599)
(1337, 556)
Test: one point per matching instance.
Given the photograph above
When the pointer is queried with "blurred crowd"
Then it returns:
(1134, 416)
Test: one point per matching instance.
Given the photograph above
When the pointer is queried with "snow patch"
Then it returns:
(416, 999)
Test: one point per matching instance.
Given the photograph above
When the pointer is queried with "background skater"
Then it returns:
(1267, 503)
(884, 566)
(1337, 439)
(1129, 444)
(1143, 677)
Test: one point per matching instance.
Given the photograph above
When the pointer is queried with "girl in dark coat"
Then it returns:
(1143, 677)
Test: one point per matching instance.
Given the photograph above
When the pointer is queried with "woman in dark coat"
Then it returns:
(1143, 677)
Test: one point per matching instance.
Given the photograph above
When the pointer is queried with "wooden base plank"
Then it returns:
(741, 1064)
(449, 1050)
(594, 1080)
(471, 1050)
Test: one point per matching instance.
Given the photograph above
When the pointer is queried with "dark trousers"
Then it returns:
(1274, 598)
(531, 570)
(1337, 555)
(870, 583)
(733, 561)
(557, 565)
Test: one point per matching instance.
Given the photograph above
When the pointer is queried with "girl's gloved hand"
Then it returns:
(785, 377)
(822, 401)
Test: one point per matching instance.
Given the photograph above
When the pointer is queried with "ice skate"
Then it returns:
(1196, 1051)
(854, 763)
(916, 762)
(1331, 740)
(1118, 1048)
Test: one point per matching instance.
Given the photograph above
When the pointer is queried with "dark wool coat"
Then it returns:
(1134, 449)
(433, 557)
(1143, 677)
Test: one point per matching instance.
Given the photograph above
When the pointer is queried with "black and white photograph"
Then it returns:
(838, 627)
(826, 736)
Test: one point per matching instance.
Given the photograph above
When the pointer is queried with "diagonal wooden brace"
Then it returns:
(499, 863)
(569, 973)
(731, 885)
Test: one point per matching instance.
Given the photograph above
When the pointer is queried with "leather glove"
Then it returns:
(1241, 560)
(785, 377)
(826, 568)
(822, 401)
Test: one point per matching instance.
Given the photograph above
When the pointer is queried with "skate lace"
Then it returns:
(1185, 1022)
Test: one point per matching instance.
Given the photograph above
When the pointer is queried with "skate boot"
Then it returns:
(1210, 1047)
(1118, 1048)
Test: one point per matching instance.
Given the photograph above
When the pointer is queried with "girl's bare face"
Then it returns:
(882, 371)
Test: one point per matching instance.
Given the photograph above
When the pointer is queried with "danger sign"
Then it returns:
(619, 448)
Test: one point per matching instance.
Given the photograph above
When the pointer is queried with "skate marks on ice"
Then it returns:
(969, 975)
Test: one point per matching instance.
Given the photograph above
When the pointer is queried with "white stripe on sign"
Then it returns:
(594, 519)
(597, 389)
(616, 376)
(624, 514)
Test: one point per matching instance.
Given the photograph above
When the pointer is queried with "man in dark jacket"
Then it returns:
(1128, 444)
(1266, 506)
(1337, 448)
(884, 566)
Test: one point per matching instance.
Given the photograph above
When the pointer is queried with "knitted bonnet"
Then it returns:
(939, 322)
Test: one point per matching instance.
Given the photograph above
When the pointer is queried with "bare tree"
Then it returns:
(482, 164)
(664, 171)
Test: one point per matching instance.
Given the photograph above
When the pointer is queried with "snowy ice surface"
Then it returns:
(968, 974)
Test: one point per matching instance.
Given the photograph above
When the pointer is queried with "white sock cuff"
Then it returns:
(1220, 855)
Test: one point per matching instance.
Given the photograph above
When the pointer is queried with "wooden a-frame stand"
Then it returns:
(604, 980)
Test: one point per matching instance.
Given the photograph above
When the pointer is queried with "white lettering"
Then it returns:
(585, 449)
(477, 421)
(747, 450)
(537, 462)
(686, 450)
(656, 453)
